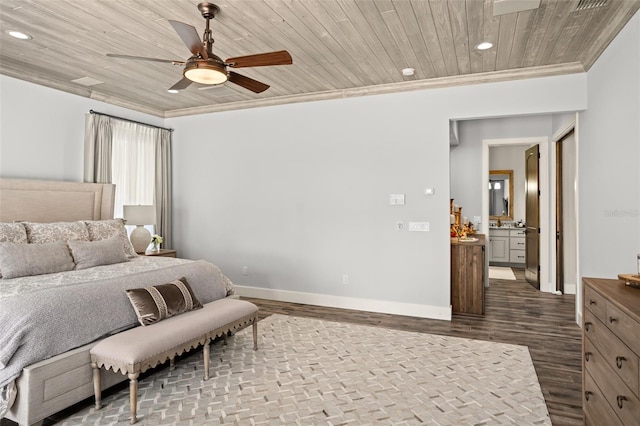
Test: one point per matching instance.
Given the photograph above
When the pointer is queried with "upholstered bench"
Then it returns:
(136, 350)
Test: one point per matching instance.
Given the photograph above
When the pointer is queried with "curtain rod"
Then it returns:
(129, 120)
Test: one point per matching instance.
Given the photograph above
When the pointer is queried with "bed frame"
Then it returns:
(52, 385)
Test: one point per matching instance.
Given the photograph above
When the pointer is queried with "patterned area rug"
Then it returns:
(309, 371)
(501, 273)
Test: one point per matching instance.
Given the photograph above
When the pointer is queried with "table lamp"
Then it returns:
(140, 216)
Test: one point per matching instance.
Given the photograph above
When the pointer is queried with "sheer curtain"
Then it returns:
(137, 159)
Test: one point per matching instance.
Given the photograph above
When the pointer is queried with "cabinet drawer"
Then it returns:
(518, 233)
(594, 302)
(516, 256)
(597, 411)
(624, 403)
(499, 233)
(517, 243)
(626, 328)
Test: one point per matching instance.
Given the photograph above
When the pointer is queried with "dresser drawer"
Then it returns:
(620, 358)
(624, 403)
(518, 243)
(596, 303)
(624, 327)
(597, 411)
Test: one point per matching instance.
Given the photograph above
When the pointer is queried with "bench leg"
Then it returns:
(96, 385)
(206, 353)
(133, 396)
(255, 334)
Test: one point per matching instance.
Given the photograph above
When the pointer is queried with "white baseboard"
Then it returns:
(570, 288)
(370, 305)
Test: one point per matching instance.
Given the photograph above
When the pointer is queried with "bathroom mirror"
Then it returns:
(501, 194)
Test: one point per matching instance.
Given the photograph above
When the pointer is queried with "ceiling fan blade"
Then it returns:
(190, 37)
(142, 58)
(248, 83)
(182, 84)
(281, 57)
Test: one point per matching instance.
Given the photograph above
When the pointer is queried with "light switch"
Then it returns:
(429, 192)
(418, 226)
(396, 199)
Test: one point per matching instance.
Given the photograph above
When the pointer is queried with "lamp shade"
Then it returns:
(140, 215)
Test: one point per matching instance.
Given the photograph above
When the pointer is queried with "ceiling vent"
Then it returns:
(590, 4)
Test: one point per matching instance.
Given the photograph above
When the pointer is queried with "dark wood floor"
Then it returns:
(515, 313)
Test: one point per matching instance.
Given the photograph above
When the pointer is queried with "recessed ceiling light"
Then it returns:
(173, 91)
(484, 45)
(19, 35)
(408, 71)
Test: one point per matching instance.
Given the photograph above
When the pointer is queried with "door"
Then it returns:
(559, 220)
(532, 200)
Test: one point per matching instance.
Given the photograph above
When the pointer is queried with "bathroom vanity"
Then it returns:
(507, 246)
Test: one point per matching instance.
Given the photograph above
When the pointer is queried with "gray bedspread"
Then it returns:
(52, 320)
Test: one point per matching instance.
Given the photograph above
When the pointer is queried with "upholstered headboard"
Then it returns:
(55, 201)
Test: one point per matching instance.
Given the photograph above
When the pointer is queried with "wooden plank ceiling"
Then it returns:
(339, 47)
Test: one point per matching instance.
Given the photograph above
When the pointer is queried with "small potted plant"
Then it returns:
(156, 240)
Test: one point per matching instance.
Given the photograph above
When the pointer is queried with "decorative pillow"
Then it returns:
(13, 233)
(102, 229)
(38, 233)
(153, 304)
(87, 254)
(20, 260)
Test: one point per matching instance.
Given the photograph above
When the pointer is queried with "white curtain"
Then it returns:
(133, 164)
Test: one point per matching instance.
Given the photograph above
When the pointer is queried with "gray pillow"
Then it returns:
(19, 260)
(13, 232)
(87, 254)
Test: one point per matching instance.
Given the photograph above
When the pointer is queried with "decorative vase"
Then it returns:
(156, 247)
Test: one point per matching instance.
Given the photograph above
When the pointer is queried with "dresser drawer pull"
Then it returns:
(619, 360)
(592, 302)
(587, 394)
(587, 326)
(620, 399)
(612, 320)
(586, 356)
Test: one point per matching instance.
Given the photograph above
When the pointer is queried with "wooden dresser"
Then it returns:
(611, 353)
(467, 276)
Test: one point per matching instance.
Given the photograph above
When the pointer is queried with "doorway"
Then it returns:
(547, 284)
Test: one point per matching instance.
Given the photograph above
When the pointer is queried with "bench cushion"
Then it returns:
(141, 348)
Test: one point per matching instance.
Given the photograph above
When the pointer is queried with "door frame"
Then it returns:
(546, 283)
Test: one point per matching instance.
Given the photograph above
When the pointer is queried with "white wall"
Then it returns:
(42, 130)
(299, 193)
(609, 154)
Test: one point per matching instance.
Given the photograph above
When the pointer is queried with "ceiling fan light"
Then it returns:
(205, 72)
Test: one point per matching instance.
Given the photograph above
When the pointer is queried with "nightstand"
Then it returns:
(161, 252)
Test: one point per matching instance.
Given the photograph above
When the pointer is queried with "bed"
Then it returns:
(49, 320)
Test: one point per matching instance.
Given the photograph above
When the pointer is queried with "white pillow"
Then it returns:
(87, 254)
(20, 260)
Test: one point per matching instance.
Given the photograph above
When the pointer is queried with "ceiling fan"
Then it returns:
(206, 68)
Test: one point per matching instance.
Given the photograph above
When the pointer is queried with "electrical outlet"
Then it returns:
(345, 279)
(245, 270)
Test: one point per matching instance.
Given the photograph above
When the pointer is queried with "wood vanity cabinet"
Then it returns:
(611, 353)
(467, 276)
